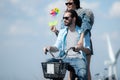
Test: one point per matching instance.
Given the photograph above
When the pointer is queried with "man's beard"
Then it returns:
(67, 24)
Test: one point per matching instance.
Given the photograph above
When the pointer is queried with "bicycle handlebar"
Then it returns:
(73, 48)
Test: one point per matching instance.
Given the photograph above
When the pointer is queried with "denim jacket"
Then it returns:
(87, 19)
(61, 40)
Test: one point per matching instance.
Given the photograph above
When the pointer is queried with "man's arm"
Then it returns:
(50, 49)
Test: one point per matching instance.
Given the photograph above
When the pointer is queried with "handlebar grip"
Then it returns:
(46, 51)
(73, 48)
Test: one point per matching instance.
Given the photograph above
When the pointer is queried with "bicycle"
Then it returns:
(56, 69)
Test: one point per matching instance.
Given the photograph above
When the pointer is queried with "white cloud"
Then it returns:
(41, 20)
(14, 1)
(93, 5)
(20, 28)
(30, 11)
(115, 9)
(13, 43)
(27, 7)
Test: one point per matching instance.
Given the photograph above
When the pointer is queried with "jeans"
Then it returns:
(79, 65)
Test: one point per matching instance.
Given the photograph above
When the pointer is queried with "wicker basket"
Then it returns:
(54, 70)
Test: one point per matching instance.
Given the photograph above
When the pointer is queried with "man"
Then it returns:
(87, 23)
(69, 37)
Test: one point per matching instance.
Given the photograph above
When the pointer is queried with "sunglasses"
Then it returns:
(66, 18)
(69, 3)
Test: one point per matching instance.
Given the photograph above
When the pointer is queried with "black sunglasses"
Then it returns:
(66, 18)
(69, 3)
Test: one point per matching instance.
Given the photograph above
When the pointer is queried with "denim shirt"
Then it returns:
(61, 40)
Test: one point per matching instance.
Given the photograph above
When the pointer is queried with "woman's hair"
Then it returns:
(74, 14)
(77, 3)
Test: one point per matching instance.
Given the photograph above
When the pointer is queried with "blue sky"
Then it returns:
(24, 31)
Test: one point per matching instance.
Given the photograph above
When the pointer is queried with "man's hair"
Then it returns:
(74, 14)
(77, 3)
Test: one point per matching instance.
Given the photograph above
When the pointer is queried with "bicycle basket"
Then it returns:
(54, 69)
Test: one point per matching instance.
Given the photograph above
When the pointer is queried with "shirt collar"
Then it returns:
(77, 28)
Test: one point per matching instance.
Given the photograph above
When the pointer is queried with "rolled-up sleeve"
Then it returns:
(87, 41)
(58, 42)
(85, 23)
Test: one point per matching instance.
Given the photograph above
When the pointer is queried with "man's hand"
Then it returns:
(78, 47)
(53, 29)
(46, 49)
(82, 48)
